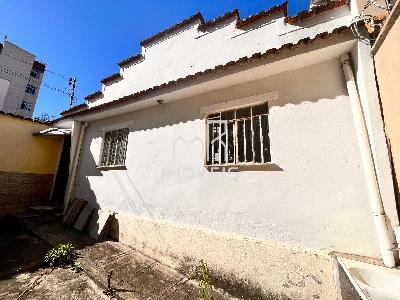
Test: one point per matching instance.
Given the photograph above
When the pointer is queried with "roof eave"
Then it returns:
(336, 41)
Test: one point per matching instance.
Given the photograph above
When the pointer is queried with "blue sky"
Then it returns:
(87, 39)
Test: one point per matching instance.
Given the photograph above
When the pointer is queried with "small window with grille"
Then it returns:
(115, 144)
(25, 105)
(35, 73)
(30, 89)
(238, 136)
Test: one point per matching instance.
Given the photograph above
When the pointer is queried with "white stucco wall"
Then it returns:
(314, 197)
(189, 50)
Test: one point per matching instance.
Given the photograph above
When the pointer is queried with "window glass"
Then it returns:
(238, 136)
(114, 147)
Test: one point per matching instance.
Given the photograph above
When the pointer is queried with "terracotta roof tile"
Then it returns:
(23, 118)
(74, 109)
(130, 60)
(315, 11)
(111, 78)
(239, 24)
(214, 22)
(263, 14)
(173, 28)
(217, 69)
(93, 95)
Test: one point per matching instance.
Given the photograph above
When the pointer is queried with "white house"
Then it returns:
(255, 144)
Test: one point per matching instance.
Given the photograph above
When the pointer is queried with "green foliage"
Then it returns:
(61, 256)
(205, 282)
(44, 117)
(76, 267)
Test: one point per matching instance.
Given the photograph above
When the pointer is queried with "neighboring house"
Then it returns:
(386, 52)
(28, 163)
(255, 144)
(20, 80)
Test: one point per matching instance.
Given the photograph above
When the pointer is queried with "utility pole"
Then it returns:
(72, 85)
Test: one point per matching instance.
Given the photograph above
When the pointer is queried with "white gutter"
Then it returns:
(368, 163)
(74, 165)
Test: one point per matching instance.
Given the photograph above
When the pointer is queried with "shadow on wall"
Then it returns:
(308, 85)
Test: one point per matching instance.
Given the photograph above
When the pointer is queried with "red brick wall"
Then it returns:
(19, 191)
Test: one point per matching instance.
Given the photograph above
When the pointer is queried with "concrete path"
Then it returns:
(135, 275)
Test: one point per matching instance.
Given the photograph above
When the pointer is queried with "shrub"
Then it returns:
(61, 256)
(205, 282)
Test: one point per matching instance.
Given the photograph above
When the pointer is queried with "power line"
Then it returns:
(57, 74)
(55, 89)
(30, 63)
(19, 75)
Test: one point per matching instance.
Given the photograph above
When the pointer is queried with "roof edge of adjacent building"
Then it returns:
(3, 113)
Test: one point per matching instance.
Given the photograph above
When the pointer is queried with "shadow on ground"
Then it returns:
(25, 240)
(20, 250)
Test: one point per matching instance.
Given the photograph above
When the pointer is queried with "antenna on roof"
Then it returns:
(372, 24)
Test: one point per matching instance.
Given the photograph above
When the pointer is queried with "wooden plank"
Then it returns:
(100, 224)
(84, 218)
(73, 212)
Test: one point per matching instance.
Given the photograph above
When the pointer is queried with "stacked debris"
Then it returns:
(83, 217)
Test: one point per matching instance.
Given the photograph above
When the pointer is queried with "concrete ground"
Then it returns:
(135, 275)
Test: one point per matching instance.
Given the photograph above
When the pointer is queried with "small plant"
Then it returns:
(76, 267)
(205, 282)
(61, 256)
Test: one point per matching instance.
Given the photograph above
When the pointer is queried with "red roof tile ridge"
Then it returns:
(240, 23)
(23, 118)
(211, 23)
(74, 108)
(93, 95)
(315, 11)
(111, 78)
(130, 60)
(263, 14)
(173, 28)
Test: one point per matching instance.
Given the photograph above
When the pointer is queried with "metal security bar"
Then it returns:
(114, 147)
(238, 136)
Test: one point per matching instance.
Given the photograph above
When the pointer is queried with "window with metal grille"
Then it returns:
(25, 105)
(35, 73)
(114, 147)
(238, 136)
(30, 89)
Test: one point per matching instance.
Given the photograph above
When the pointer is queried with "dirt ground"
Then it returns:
(25, 240)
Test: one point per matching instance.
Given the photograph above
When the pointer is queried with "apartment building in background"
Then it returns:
(20, 80)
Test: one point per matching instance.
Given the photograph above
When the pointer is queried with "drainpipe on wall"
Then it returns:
(74, 165)
(368, 163)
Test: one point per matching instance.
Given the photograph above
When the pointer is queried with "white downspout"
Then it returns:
(368, 163)
(74, 164)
